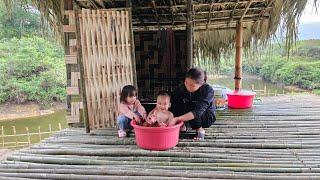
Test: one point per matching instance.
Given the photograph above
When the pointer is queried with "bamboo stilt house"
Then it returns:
(150, 43)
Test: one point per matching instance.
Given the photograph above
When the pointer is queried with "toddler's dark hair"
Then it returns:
(127, 91)
(164, 93)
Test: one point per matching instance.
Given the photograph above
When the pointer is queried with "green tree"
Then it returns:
(22, 21)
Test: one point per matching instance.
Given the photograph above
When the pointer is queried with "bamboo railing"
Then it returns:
(15, 143)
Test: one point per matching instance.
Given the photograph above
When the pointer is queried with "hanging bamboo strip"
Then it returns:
(95, 62)
(101, 69)
(86, 65)
(111, 63)
(123, 47)
(115, 56)
(107, 62)
(106, 73)
(128, 34)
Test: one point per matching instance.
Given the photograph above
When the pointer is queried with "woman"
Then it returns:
(193, 102)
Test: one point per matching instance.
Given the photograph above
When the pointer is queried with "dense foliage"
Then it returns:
(301, 67)
(31, 68)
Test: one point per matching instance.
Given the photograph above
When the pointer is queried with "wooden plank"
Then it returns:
(75, 76)
(68, 28)
(70, 59)
(72, 42)
(73, 119)
(72, 90)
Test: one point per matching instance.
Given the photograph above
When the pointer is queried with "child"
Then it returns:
(160, 116)
(129, 108)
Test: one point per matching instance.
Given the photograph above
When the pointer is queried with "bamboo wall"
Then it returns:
(160, 61)
(107, 61)
(74, 101)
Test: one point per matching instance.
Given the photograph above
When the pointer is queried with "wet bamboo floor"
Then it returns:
(277, 139)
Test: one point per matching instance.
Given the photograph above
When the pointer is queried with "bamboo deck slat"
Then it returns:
(274, 140)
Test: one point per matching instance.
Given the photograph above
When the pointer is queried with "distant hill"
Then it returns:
(309, 31)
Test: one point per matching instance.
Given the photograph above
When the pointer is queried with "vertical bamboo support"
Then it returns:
(252, 87)
(50, 129)
(265, 90)
(39, 131)
(238, 63)
(59, 127)
(283, 91)
(28, 136)
(2, 136)
(276, 93)
(81, 68)
(189, 29)
(131, 41)
(269, 92)
(15, 133)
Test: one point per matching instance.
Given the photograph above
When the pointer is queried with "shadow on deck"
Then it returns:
(278, 139)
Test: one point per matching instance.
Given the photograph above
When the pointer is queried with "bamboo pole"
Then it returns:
(39, 133)
(189, 28)
(81, 68)
(238, 63)
(28, 136)
(2, 135)
(15, 133)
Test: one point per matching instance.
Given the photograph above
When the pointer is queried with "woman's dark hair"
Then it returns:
(197, 74)
(127, 91)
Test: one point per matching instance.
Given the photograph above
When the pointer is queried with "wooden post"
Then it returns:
(131, 40)
(238, 63)
(81, 68)
(59, 127)
(265, 90)
(189, 29)
(15, 133)
(2, 136)
(252, 87)
(28, 134)
(39, 130)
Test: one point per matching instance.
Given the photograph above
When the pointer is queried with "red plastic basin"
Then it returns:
(240, 99)
(156, 138)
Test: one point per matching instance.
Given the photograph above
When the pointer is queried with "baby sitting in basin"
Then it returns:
(160, 116)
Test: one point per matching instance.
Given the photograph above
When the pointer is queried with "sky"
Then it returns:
(310, 15)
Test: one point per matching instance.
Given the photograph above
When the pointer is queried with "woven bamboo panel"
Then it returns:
(71, 60)
(107, 61)
(160, 61)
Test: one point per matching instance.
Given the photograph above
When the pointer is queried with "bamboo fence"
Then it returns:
(13, 141)
(107, 60)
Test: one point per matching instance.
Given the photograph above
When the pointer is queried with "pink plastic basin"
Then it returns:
(156, 138)
(240, 99)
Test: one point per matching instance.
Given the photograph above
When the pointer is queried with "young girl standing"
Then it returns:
(129, 108)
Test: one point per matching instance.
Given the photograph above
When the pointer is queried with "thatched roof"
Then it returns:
(214, 20)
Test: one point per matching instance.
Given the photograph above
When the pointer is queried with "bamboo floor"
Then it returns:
(279, 138)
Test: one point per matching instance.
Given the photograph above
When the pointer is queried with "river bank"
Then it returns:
(10, 111)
